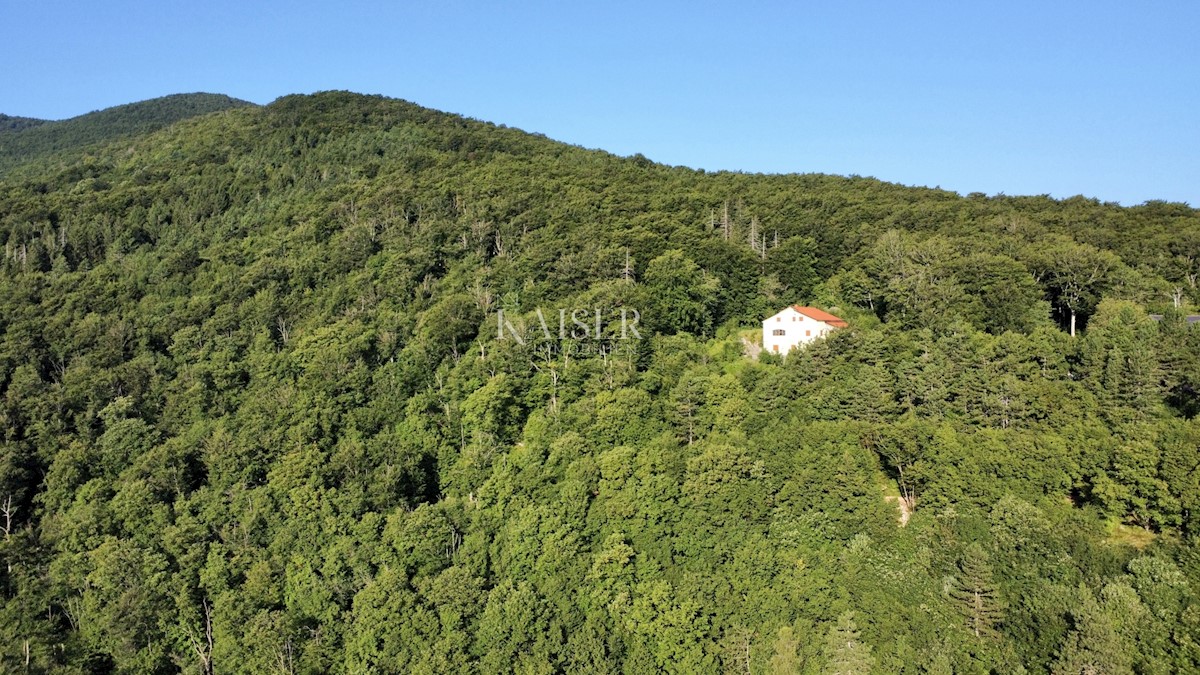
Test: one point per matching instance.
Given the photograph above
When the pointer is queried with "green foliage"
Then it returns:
(681, 297)
(845, 653)
(257, 417)
(978, 597)
(24, 140)
(1095, 644)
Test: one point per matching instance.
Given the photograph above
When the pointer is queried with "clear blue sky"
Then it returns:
(1096, 98)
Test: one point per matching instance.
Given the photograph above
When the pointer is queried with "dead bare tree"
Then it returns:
(7, 509)
(281, 325)
(1176, 295)
(286, 659)
(627, 271)
(203, 645)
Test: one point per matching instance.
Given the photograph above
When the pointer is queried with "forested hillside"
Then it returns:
(257, 417)
(10, 125)
(25, 140)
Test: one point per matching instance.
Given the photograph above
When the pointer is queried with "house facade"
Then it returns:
(794, 326)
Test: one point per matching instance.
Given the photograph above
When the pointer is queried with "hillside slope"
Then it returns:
(258, 416)
(11, 125)
(24, 140)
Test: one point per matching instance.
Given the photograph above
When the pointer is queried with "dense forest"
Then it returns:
(262, 414)
(23, 139)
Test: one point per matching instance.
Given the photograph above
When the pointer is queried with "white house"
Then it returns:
(794, 326)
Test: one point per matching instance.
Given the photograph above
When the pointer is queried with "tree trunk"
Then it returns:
(1072, 323)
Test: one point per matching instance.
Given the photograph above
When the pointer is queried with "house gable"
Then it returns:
(797, 325)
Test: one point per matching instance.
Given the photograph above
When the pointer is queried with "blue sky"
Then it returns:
(1063, 98)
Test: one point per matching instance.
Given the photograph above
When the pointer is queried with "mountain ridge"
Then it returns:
(196, 104)
(23, 140)
(10, 124)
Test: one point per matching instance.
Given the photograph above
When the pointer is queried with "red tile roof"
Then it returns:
(819, 315)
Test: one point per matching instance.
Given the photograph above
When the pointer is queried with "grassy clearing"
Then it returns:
(1128, 535)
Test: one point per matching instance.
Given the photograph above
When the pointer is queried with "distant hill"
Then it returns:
(12, 125)
(24, 139)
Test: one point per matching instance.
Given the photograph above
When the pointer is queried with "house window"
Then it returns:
(808, 333)
(779, 318)
(778, 331)
(775, 347)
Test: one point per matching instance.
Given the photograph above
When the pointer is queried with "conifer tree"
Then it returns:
(845, 653)
(977, 595)
(1093, 646)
